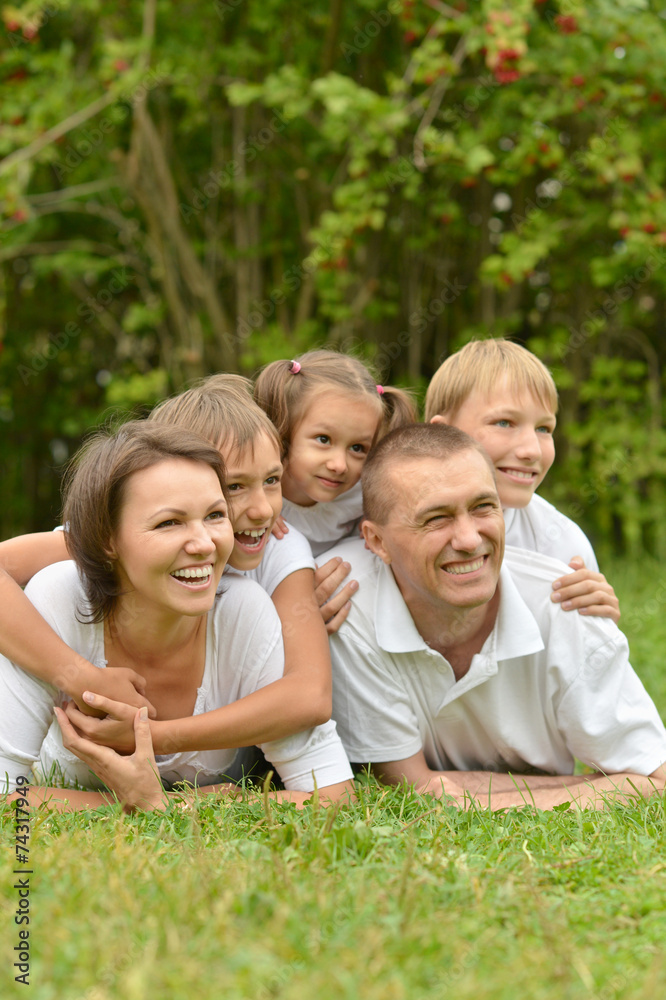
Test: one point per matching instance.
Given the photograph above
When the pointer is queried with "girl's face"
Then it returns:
(173, 539)
(253, 479)
(329, 446)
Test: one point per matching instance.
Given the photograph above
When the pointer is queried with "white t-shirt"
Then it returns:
(540, 527)
(244, 652)
(324, 524)
(282, 557)
(546, 687)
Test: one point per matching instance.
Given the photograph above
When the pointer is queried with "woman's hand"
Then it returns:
(114, 730)
(134, 779)
(334, 609)
(586, 591)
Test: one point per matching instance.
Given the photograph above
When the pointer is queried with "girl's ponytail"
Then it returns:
(399, 409)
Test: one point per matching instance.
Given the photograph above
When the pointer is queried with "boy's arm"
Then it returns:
(28, 640)
(300, 700)
(588, 592)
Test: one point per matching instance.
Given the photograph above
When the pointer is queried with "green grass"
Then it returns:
(392, 898)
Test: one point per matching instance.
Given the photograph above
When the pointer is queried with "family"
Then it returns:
(179, 613)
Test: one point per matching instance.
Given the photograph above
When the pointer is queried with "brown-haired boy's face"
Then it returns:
(517, 433)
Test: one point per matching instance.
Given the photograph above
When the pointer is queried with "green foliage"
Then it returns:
(244, 182)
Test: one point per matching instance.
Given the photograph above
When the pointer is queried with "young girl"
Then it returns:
(328, 411)
(221, 410)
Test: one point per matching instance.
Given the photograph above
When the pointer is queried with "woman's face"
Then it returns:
(173, 539)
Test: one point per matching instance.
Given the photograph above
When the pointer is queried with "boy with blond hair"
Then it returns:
(504, 397)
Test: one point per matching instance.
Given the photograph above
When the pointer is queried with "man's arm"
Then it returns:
(487, 789)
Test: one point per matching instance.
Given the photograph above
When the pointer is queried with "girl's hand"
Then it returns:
(280, 528)
(115, 730)
(135, 779)
(588, 592)
(334, 609)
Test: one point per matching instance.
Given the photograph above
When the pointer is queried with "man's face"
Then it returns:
(517, 433)
(444, 538)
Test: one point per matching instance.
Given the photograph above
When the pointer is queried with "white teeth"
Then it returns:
(252, 534)
(460, 568)
(189, 574)
(520, 473)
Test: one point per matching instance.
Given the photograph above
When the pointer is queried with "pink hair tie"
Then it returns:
(380, 389)
(294, 367)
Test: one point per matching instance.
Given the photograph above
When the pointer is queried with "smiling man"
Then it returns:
(454, 671)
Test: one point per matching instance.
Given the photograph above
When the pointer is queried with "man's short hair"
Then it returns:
(479, 366)
(438, 441)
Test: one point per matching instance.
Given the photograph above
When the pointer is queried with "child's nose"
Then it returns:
(529, 446)
(259, 509)
(337, 461)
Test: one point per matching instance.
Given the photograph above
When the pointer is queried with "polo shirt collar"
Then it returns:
(394, 626)
(516, 632)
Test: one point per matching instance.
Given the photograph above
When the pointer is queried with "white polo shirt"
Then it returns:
(540, 527)
(282, 557)
(546, 687)
(325, 524)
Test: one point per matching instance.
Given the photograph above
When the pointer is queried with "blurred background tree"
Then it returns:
(203, 186)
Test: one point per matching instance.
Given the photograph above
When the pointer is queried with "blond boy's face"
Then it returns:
(517, 433)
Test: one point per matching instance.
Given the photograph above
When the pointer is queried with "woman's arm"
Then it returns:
(299, 700)
(28, 640)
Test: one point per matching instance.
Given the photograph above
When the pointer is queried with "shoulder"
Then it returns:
(533, 574)
(544, 528)
(363, 562)
(59, 583)
(526, 564)
(238, 594)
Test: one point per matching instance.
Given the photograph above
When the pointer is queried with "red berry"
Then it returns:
(578, 80)
(20, 215)
(445, 219)
(506, 279)
(29, 32)
(121, 65)
(469, 182)
(567, 24)
(507, 75)
(624, 231)
(628, 177)
(649, 227)
(507, 54)
(12, 25)
(544, 147)
(409, 37)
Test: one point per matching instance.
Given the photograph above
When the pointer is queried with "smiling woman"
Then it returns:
(150, 535)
